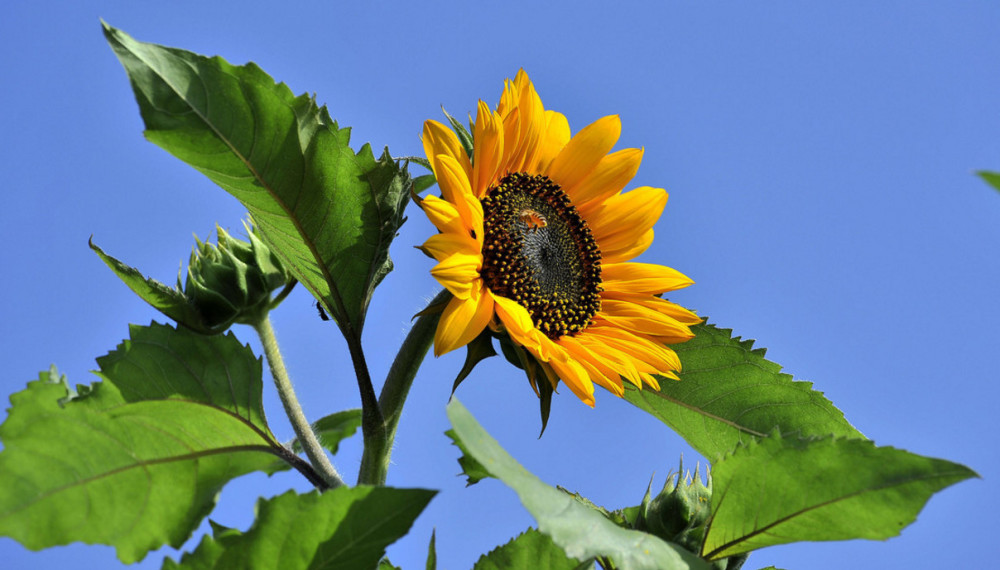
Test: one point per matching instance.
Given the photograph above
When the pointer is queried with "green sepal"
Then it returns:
(431, 554)
(464, 136)
(476, 351)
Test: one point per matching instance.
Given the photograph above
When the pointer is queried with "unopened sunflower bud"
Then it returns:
(231, 282)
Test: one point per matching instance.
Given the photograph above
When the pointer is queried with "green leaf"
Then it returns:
(160, 362)
(729, 393)
(782, 489)
(342, 529)
(104, 468)
(333, 429)
(580, 531)
(327, 212)
(168, 300)
(431, 555)
(992, 178)
(471, 468)
(530, 549)
(384, 564)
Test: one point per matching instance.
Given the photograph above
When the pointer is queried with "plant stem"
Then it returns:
(375, 460)
(314, 451)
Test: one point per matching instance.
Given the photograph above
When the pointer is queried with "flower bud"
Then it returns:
(231, 282)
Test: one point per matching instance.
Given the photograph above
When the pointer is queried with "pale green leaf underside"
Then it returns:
(780, 489)
(729, 393)
(342, 529)
(581, 532)
(329, 213)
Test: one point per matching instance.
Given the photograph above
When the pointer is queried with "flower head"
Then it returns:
(535, 242)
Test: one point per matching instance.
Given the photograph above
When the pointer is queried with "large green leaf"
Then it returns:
(581, 532)
(160, 362)
(104, 467)
(327, 212)
(346, 528)
(729, 393)
(782, 489)
(530, 549)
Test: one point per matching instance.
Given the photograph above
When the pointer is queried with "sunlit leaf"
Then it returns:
(580, 531)
(108, 467)
(346, 528)
(327, 212)
(332, 429)
(530, 549)
(992, 178)
(729, 393)
(785, 489)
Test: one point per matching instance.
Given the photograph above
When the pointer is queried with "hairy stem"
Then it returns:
(375, 461)
(314, 451)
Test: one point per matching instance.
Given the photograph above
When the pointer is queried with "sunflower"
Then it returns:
(535, 242)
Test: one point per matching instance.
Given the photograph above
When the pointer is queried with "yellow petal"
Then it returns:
(642, 278)
(455, 189)
(600, 372)
(584, 151)
(487, 149)
(607, 179)
(442, 246)
(554, 137)
(575, 376)
(462, 321)
(662, 306)
(625, 217)
(439, 139)
(458, 273)
(442, 214)
(639, 319)
(627, 251)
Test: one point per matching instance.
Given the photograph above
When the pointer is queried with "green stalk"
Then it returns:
(314, 451)
(375, 460)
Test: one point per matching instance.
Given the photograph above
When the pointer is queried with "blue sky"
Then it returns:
(820, 161)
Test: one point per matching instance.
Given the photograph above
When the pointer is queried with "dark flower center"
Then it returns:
(539, 252)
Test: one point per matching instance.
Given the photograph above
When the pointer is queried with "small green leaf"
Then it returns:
(384, 564)
(327, 212)
(431, 555)
(782, 489)
(530, 549)
(168, 300)
(342, 529)
(102, 468)
(729, 393)
(333, 429)
(581, 532)
(992, 178)
(471, 468)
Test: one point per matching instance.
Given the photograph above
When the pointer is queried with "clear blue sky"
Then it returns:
(820, 166)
